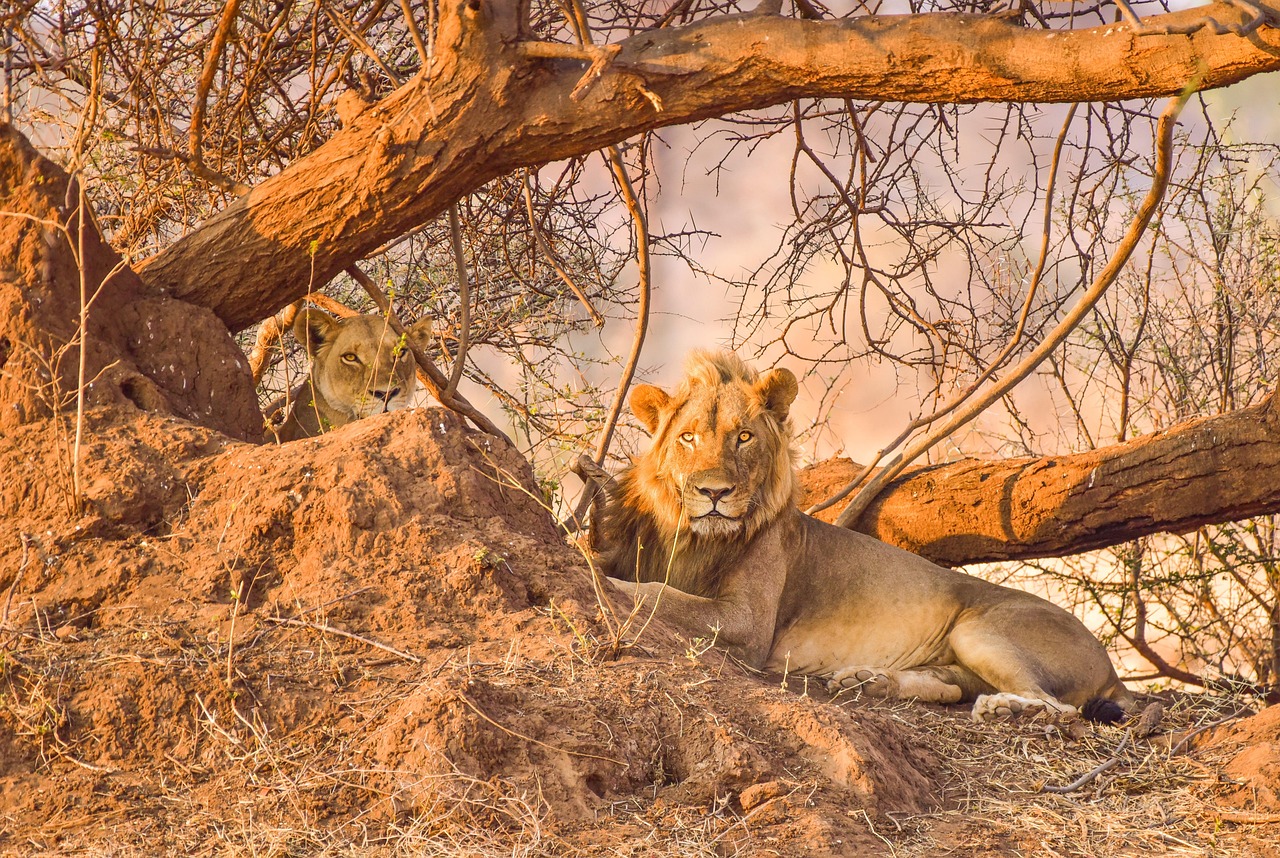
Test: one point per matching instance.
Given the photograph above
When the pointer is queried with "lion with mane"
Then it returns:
(704, 527)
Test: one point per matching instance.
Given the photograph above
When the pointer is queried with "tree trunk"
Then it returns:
(1205, 471)
(488, 104)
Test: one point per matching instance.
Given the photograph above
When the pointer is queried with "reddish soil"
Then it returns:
(193, 618)
(380, 635)
(1252, 769)
(145, 348)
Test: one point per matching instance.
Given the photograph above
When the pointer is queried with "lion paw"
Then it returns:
(1003, 706)
(867, 680)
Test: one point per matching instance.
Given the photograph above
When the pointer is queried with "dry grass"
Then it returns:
(251, 790)
(1160, 799)
(246, 785)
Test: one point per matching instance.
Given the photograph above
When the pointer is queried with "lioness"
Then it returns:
(359, 367)
(711, 510)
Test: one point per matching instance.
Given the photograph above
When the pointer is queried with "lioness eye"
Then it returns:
(744, 437)
(350, 357)
(686, 437)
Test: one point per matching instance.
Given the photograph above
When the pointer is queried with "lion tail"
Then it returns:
(1101, 710)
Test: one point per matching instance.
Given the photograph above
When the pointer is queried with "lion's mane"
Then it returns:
(644, 526)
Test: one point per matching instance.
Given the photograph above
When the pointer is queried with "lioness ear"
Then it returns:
(647, 402)
(777, 389)
(313, 328)
(420, 332)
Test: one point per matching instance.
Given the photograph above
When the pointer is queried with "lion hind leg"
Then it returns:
(929, 684)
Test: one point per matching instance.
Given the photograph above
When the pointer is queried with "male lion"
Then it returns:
(711, 511)
(359, 367)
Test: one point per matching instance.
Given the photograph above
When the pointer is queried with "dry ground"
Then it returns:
(377, 643)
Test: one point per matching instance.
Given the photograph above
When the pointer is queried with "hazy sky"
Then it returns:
(749, 213)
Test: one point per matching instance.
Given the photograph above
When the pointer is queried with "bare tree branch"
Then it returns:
(1177, 480)
(464, 303)
(462, 123)
(642, 325)
(973, 407)
(196, 132)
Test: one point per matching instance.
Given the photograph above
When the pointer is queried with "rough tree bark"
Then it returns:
(1204, 471)
(488, 104)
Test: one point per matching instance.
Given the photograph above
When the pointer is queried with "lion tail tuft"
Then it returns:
(1100, 710)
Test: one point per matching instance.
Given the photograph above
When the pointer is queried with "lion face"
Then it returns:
(359, 364)
(720, 465)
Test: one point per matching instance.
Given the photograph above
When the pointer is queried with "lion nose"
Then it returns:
(387, 395)
(716, 493)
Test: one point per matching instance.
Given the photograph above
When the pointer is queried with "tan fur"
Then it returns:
(710, 510)
(359, 367)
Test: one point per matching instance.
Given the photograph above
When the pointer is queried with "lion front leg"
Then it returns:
(734, 625)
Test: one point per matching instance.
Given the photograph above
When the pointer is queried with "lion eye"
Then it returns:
(687, 437)
(744, 437)
(350, 357)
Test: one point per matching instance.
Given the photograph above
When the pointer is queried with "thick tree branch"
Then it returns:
(485, 106)
(1205, 471)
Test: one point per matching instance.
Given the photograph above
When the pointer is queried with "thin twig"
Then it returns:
(1133, 561)
(362, 45)
(614, 156)
(197, 168)
(1091, 775)
(327, 629)
(1237, 818)
(423, 53)
(22, 567)
(464, 302)
(598, 486)
(1187, 739)
(196, 133)
(547, 251)
(82, 368)
(213, 722)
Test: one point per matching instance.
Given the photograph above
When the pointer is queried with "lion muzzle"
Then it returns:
(713, 503)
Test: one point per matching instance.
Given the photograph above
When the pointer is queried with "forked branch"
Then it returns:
(971, 409)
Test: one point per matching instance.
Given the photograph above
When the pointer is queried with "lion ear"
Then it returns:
(420, 332)
(313, 328)
(777, 389)
(647, 402)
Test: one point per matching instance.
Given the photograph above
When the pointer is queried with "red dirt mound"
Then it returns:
(144, 348)
(377, 630)
(1252, 747)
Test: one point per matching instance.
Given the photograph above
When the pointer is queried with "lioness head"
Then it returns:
(359, 365)
(721, 462)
